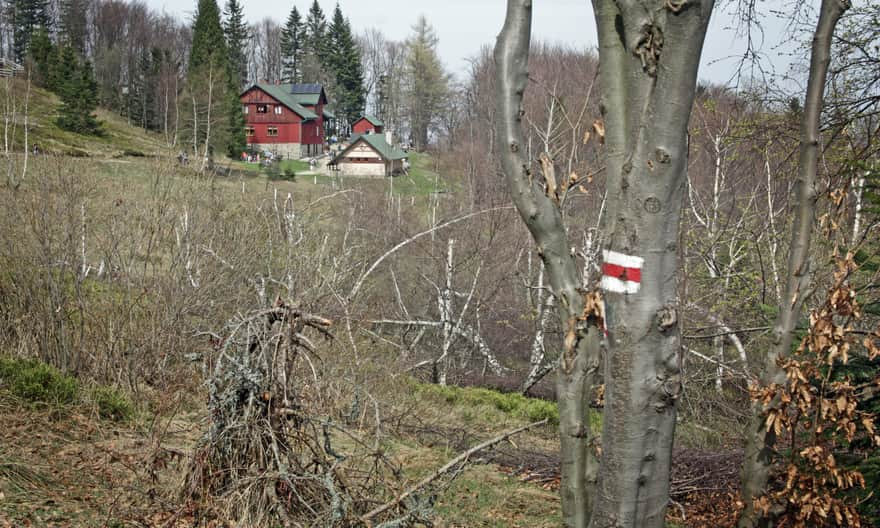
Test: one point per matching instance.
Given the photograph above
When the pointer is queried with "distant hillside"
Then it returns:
(119, 138)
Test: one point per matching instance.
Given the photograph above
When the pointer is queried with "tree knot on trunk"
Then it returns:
(667, 318)
(676, 6)
(662, 155)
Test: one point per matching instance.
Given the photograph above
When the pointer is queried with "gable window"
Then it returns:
(262, 109)
(278, 109)
(244, 109)
(272, 131)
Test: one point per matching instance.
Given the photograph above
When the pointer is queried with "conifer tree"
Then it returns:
(208, 40)
(316, 47)
(209, 104)
(73, 24)
(79, 94)
(43, 55)
(237, 35)
(427, 83)
(344, 62)
(28, 16)
(292, 44)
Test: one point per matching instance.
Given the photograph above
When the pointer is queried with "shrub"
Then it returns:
(37, 382)
(111, 404)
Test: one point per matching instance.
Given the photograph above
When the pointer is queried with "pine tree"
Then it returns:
(344, 62)
(27, 17)
(237, 35)
(292, 36)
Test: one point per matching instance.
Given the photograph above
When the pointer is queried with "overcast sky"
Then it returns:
(464, 25)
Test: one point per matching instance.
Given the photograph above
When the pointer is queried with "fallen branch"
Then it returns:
(446, 468)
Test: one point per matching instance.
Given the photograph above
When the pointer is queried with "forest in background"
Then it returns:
(439, 279)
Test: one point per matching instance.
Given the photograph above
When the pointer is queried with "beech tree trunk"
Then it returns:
(540, 212)
(760, 446)
(649, 55)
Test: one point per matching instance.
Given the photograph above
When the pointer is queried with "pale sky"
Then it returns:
(462, 26)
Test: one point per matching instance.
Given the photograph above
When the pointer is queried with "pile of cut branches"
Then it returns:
(269, 456)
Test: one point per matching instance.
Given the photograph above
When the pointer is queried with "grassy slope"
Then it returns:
(119, 138)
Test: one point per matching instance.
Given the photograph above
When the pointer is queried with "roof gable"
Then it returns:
(280, 94)
(377, 143)
(375, 121)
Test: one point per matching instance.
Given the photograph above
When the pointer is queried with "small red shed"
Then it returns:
(368, 125)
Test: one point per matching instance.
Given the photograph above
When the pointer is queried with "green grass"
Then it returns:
(40, 384)
(117, 140)
(483, 497)
(490, 406)
(285, 165)
(421, 179)
(110, 404)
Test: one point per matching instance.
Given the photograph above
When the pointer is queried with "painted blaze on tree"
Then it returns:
(649, 55)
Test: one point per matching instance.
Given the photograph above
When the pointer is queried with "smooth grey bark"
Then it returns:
(649, 55)
(579, 361)
(760, 443)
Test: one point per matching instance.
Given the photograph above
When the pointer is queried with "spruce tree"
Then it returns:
(28, 16)
(344, 62)
(73, 24)
(316, 46)
(210, 101)
(208, 40)
(79, 94)
(292, 36)
(236, 141)
(237, 35)
(43, 55)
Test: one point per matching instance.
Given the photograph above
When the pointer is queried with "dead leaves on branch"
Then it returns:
(818, 412)
(556, 189)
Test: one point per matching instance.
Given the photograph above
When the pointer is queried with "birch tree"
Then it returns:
(649, 55)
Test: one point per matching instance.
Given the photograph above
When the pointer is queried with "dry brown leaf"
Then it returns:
(599, 129)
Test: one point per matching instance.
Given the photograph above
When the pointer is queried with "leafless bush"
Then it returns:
(270, 455)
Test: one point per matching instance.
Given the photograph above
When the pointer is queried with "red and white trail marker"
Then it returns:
(621, 273)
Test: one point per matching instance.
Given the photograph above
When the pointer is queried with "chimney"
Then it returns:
(388, 137)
